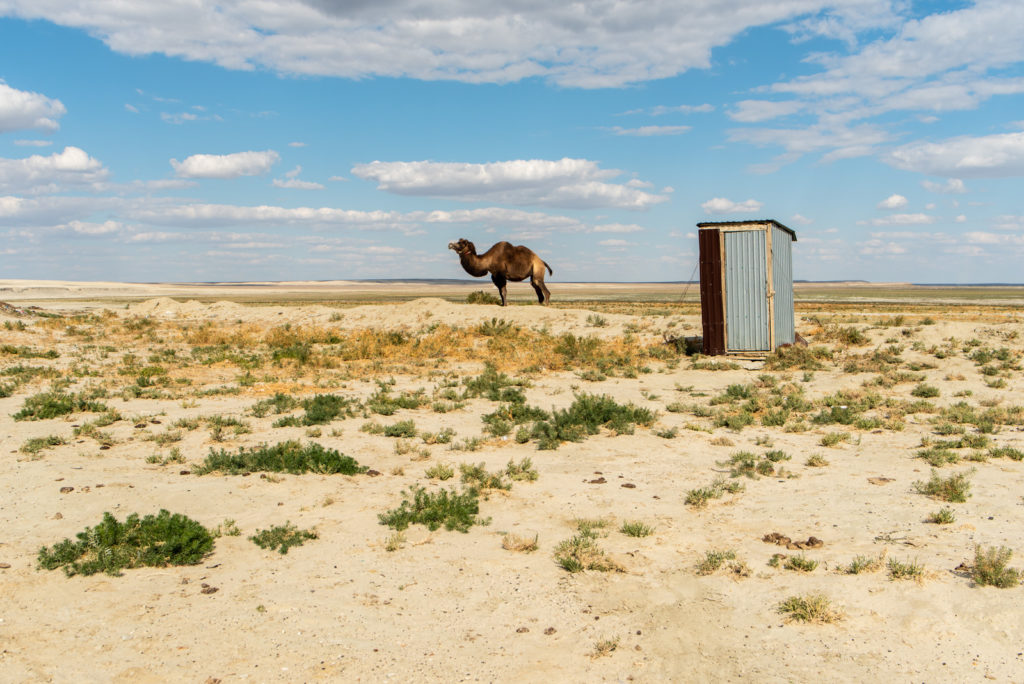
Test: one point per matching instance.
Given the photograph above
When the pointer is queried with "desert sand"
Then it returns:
(451, 606)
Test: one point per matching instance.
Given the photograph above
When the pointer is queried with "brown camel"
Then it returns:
(504, 262)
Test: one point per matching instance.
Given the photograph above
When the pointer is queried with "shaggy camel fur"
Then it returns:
(504, 262)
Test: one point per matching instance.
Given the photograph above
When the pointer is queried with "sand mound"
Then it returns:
(412, 315)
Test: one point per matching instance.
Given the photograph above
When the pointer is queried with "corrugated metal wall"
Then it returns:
(746, 295)
(782, 281)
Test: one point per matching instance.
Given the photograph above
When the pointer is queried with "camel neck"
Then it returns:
(472, 264)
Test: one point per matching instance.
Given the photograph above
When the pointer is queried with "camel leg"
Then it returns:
(540, 292)
(543, 294)
(500, 283)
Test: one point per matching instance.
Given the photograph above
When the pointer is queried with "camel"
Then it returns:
(504, 262)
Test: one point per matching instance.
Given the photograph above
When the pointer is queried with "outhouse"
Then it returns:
(746, 286)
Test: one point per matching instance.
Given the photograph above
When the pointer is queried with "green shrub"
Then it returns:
(800, 563)
(943, 516)
(284, 457)
(440, 471)
(155, 541)
(323, 408)
(938, 457)
(990, 568)
(713, 560)
(36, 444)
(403, 428)
(454, 510)
(386, 405)
(581, 552)
(587, 414)
(477, 477)
(811, 608)
(280, 538)
(522, 471)
(481, 297)
(955, 488)
(55, 404)
(636, 529)
(279, 403)
(925, 391)
(905, 569)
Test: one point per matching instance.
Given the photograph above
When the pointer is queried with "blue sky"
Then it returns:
(187, 140)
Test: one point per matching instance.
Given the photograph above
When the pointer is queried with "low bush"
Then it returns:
(990, 568)
(156, 541)
(284, 457)
(454, 510)
(280, 538)
(55, 404)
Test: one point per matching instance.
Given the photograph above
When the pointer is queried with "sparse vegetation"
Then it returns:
(990, 568)
(810, 608)
(286, 457)
(280, 538)
(155, 540)
(581, 552)
(955, 488)
(905, 570)
(455, 510)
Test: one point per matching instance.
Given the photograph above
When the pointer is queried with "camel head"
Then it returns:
(463, 246)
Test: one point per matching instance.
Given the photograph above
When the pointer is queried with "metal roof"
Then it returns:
(723, 224)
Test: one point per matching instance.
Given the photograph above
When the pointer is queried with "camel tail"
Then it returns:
(550, 272)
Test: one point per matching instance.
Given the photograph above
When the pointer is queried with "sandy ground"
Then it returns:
(449, 606)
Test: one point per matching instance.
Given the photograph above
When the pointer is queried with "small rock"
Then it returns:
(66, 490)
(4, 566)
(209, 590)
(599, 480)
(522, 630)
(185, 472)
(373, 473)
(58, 516)
(629, 485)
(550, 630)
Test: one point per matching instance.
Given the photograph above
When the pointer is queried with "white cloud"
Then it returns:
(750, 111)
(37, 173)
(943, 61)
(900, 220)
(87, 228)
(721, 205)
(992, 156)
(953, 186)
(961, 218)
(881, 248)
(800, 220)
(296, 184)
(33, 143)
(836, 139)
(23, 110)
(893, 202)
(661, 110)
(613, 243)
(648, 131)
(296, 144)
(602, 44)
(618, 228)
(225, 165)
(570, 183)
(1003, 222)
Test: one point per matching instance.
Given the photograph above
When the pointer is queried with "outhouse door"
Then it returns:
(746, 291)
